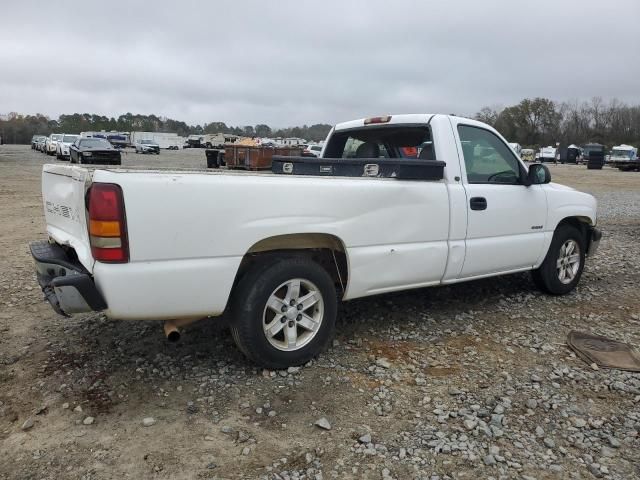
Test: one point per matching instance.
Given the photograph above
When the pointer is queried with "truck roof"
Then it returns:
(408, 119)
(624, 147)
(394, 120)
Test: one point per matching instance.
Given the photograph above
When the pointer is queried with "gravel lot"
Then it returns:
(462, 382)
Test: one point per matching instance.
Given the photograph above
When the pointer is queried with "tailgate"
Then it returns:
(63, 194)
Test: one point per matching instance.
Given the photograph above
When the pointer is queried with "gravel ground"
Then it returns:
(471, 381)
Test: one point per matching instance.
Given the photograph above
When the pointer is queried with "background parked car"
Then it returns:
(62, 152)
(40, 143)
(35, 140)
(314, 150)
(51, 143)
(147, 146)
(94, 150)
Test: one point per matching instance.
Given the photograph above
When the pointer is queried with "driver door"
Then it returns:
(505, 218)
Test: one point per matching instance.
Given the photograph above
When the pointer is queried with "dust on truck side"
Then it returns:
(147, 244)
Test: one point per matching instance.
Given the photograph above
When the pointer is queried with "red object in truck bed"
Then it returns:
(255, 158)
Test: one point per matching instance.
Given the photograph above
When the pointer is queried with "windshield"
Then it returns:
(95, 143)
(56, 137)
(621, 153)
(147, 142)
(69, 138)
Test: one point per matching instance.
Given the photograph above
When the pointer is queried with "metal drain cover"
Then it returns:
(603, 351)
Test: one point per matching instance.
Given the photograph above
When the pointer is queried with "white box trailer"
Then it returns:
(548, 154)
(163, 139)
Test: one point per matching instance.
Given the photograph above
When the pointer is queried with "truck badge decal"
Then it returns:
(62, 211)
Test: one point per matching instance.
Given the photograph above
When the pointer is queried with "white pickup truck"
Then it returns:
(279, 249)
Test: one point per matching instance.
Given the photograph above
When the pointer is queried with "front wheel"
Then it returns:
(284, 312)
(562, 268)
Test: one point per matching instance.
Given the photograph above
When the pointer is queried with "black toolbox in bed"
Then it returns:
(401, 168)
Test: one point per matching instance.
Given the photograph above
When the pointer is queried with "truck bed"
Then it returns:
(191, 228)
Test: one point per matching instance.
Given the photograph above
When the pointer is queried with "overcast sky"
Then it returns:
(287, 63)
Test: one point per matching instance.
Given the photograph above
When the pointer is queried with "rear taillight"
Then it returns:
(107, 223)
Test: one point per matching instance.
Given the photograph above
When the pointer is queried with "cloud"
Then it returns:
(295, 61)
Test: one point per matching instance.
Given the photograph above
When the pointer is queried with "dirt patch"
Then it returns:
(457, 353)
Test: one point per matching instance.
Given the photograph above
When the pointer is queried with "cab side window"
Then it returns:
(487, 158)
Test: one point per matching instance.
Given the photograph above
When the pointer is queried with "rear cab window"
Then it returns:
(382, 141)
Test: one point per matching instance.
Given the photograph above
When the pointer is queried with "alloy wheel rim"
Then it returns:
(568, 262)
(293, 314)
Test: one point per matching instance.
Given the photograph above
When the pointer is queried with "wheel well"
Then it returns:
(581, 223)
(326, 250)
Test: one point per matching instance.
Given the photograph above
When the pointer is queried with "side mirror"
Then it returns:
(538, 174)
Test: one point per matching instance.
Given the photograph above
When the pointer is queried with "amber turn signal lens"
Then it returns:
(99, 228)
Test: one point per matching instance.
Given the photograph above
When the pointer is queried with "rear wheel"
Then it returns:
(284, 312)
(562, 268)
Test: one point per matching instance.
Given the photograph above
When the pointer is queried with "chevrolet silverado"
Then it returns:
(393, 203)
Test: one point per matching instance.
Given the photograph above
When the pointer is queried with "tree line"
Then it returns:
(20, 128)
(541, 122)
(532, 123)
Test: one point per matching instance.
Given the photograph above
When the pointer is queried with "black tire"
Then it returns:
(547, 276)
(249, 304)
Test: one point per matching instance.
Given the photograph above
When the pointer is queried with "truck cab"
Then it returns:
(624, 157)
(194, 141)
(593, 155)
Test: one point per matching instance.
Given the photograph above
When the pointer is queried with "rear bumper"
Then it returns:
(594, 236)
(66, 285)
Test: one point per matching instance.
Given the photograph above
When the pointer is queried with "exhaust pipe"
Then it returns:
(171, 327)
(171, 331)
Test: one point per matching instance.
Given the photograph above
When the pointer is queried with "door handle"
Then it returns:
(478, 203)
